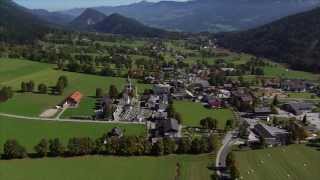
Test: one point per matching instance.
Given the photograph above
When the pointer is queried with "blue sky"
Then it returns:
(67, 4)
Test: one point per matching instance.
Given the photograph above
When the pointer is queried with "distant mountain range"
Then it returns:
(17, 24)
(294, 40)
(88, 18)
(94, 21)
(206, 15)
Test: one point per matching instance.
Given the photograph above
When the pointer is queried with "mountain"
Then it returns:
(118, 24)
(294, 40)
(52, 17)
(17, 24)
(88, 18)
(207, 15)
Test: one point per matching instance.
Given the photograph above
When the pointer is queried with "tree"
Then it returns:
(13, 150)
(80, 146)
(99, 93)
(304, 120)
(113, 92)
(275, 101)
(184, 146)
(5, 93)
(209, 123)
(56, 148)
(229, 124)
(42, 88)
(157, 148)
(243, 130)
(42, 148)
(196, 146)
(24, 87)
(169, 146)
(213, 143)
(234, 172)
(204, 148)
(30, 86)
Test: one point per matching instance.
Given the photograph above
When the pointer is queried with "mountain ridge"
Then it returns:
(293, 40)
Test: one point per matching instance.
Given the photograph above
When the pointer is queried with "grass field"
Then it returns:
(192, 113)
(86, 109)
(303, 95)
(297, 161)
(280, 71)
(30, 132)
(113, 168)
(16, 71)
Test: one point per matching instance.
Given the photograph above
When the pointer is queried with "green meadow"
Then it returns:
(295, 162)
(108, 167)
(193, 112)
(30, 132)
(13, 72)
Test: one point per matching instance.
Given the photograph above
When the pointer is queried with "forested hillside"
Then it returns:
(19, 25)
(293, 40)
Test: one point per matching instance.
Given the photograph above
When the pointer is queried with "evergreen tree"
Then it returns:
(42, 148)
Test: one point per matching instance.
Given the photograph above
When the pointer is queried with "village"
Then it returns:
(266, 113)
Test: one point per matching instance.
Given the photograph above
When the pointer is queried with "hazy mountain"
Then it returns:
(53, 17)
(88, 18)
(17, 24)
(207, 15)
(118, 24)
(294, 40)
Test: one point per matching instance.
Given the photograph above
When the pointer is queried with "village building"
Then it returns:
(296, 85)
(73, 100)
(298, 108)
(272, 136)
(242, 99)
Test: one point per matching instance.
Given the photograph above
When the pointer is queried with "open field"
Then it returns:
(44, 73)
(85, 109)
(30, 132)
(295, 162)
(280, 71)
(192, 113)
(303, 95)
(109, 167)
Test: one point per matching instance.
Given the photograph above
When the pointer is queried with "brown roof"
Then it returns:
(76, 96)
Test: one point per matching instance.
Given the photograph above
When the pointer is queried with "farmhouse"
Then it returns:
(74, 99)
(242, 99)
(294, 85)
(273, 136)
(167, 128)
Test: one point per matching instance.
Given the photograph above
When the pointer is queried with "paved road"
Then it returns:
(223, 152)
(66, 120)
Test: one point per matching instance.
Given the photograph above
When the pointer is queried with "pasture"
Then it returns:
(108, 167)
(294, 162)
(30, 132)
(33, 104)
(192, 113)
(280, 71)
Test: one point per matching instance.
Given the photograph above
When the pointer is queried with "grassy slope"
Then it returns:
(17, 71)
(192, 113)
(280, 71)
(115, 168)
(29, 132)
(282, 161)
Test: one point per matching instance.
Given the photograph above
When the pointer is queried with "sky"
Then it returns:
(53, 5)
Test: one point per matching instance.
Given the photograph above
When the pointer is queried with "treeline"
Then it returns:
(6, 93)
(111, 145)
(58, 89)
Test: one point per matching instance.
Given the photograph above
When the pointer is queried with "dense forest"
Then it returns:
(293, 40)
(19, 25)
